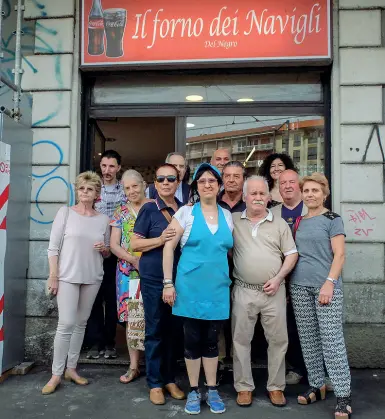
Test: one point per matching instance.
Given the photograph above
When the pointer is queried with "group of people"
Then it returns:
(212, 256)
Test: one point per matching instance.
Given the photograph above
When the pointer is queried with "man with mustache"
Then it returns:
(264, 254)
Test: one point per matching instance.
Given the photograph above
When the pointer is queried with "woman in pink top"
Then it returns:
(81, 236)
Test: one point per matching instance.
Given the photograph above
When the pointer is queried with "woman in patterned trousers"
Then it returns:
(317, 296)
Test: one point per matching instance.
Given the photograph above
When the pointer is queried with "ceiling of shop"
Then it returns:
(140, 141)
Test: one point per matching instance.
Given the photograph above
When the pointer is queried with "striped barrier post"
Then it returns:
(5, 150)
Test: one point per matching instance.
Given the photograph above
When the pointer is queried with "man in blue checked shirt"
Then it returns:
(101, 328)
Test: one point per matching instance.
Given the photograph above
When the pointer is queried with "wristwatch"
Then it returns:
(168, 282)
(333, 281)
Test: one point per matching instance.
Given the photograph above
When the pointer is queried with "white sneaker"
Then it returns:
(293, 377)
(328, 384)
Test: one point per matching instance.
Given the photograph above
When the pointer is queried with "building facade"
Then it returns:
(348, 145)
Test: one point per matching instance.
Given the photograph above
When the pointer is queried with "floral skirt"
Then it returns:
(130, 304)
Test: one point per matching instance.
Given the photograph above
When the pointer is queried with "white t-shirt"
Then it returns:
(185, 219)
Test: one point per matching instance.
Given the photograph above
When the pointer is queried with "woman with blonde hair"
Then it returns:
(317, 296)
(80, 238)
(129, 299)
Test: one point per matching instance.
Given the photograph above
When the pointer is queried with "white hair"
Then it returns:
(132, 174)
(252, 178)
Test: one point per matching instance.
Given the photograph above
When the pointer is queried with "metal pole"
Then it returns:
(1, 29)
(18, 70)
(8, 83)
(6, 111)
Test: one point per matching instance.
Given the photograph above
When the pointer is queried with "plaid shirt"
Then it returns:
(109, 201)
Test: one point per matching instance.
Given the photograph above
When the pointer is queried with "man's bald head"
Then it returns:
(220, 158)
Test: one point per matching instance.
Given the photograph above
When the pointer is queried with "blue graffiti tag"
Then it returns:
(49, 179)
(40, 6)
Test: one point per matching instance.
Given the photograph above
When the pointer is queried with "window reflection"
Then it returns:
(251, 139)
(189, 90)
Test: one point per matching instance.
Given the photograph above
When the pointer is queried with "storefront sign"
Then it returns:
(128, 32)
(5, 151)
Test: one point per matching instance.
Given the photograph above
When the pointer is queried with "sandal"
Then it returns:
(129, 376)
(312, 395)
(343, 406)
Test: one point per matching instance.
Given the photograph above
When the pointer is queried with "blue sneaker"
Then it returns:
(215, 402)
(193, 404)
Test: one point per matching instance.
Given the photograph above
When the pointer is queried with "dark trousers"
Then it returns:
(294, 352)
(159, 342)
(201, 338)
(101, 326)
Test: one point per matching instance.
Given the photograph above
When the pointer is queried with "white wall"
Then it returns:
(358, 170)
(51, 74)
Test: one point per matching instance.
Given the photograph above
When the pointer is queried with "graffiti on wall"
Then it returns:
(363, 221)
(49, 177)
(48, 41)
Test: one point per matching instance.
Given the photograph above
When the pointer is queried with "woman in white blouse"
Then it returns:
(80, 238)
(201, 294)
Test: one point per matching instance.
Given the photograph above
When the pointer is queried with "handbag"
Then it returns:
(296, 225)
(135, 322)
(48, 293)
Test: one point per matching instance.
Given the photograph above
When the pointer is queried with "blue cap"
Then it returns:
(206, 166)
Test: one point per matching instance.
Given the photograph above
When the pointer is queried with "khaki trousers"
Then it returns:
(247, 305)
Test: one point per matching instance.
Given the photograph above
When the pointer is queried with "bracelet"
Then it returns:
(168, 286)
(333, 281)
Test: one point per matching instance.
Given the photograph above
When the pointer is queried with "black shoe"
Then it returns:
(110, 353)
(93, 353)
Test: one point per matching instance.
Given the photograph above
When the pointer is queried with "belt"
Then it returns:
(255, 287)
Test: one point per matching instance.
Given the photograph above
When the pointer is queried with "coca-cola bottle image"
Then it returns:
(114, 24)
(96, 29)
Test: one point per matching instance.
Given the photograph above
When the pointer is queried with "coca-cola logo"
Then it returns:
(96, 24)
(115, 23)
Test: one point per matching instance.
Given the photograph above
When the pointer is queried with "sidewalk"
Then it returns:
(106, 398)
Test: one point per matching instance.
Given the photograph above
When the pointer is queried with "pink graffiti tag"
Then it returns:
(362, 231)
(358, 217)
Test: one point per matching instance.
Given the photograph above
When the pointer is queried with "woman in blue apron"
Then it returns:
(201, 294)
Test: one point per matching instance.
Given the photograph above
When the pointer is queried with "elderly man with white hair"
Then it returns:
(264, 254)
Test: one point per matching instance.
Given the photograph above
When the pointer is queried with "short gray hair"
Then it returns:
(132, 174)
(255, 177)
(235, 163)
(174, 153)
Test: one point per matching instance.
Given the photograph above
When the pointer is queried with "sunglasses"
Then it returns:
(170, 179)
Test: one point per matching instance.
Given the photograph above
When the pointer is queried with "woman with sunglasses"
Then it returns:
(151, 232)
(201, 295)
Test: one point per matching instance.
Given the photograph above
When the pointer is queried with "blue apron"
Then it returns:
(202, 281)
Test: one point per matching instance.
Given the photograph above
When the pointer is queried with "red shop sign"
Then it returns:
(127, 32)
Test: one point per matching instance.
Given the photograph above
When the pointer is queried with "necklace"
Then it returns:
(211, 217)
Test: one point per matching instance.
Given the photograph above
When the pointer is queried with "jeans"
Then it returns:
(101, 327)
(74, 304)
(159, 339)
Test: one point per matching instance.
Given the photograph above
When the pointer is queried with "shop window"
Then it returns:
(263, 135)
(152, 87)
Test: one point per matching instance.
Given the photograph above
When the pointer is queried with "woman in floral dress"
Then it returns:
(129, 299)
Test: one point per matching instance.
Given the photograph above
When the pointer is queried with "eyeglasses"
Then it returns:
(161, 179)
(210, 181)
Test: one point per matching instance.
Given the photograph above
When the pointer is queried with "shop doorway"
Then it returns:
(146, 115)
(143, 143)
